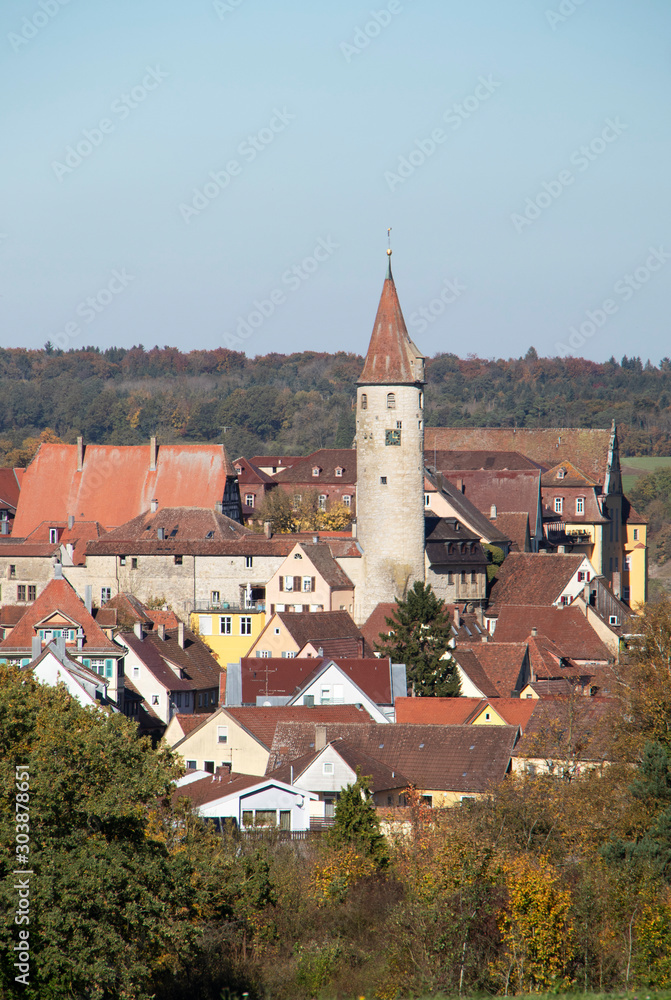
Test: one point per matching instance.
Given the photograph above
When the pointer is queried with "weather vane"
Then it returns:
(389, 241)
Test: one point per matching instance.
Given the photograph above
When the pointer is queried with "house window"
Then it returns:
(322, 501)
(364, 401)
(178, 560)
(288, 583)
(625, 594)
(399, 424)
(427, 499)
(347, 500)
(249, 562)
(308, 584)
(178, 699)
(105, 594)
(627, 562)
(474, 576)
(122, 560)
(136, 671)
(421, 400)
(561, 473)
(328, 767)
(53, 536)
(208, 765)
(316, 470)
(154, 699)
(339, 471)
(21, 592)
(204, 624)
(392, 437)
(559, 505)
(391, 400)
(427, 800)
(133, 563)
(191, 765)
(32, 592)
(222, 734)
(297, 499)
(288, 655)
(635, 534)
(326, 696)
(187, 699)
(12, 571)
(583, 576)
(383, 480)
(263, 653)
(226, 625)
(249, 499)
(245, 626)
(580, 505)
(450, 578)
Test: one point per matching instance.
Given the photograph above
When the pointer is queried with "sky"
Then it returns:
(223, 173)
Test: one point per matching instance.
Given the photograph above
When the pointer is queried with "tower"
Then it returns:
(390, 458)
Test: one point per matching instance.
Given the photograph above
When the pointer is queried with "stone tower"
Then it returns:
(390, 459)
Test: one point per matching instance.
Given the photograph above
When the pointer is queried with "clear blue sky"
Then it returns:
(331, 119)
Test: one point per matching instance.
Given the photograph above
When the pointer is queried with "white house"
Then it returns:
(249, 800)
(54, 666)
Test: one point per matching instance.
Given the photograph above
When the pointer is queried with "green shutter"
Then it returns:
(108, 668)
(87, 663)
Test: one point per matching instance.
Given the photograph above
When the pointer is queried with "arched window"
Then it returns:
(364, 401)
(391, 400)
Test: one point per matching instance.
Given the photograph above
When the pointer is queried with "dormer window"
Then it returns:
(53, 536)
(561, 473)
(391, 400)
(238, 470)
(339, 471)
(316, 470)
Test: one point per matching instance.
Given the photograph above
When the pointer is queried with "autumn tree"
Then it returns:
(419, 636)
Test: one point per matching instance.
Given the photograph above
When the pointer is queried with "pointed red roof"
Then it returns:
(392, 358)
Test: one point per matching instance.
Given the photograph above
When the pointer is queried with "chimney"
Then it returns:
(315, 539)
(80, 454)
(320, 737)
(58, 571)
(154, 505)
(534, 632)
(219, 507)
(60, 644)
(492, 512)
(160, 629)
(353, 529)
(180, 635)
(80, 638)
(320, 652)
(153, 454)
(137, 628)
(561, 550)
(460, 485)
(4, 527)
(88, 597)
(36, 646)
(484, 637)
(457, 618)
(71, 521)
(268, 529)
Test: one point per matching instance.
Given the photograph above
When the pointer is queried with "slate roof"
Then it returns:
(451, 461)
(567, 628)
(327, 460)
(116, 483)
(392, 358)
(450, 758)
(533, 578)
(587, 448)
(188, 531)
(262, 722)
(59, 596)
(279, 677)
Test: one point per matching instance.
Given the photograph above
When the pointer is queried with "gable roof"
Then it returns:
(376, 624)
(571, 476)
(580, 721)
(537, 578)
(312, 626)
(327, 460)
(437, 711)
(382, 777)
(515, 525)
(59, 595)
(10, 488)
(116, 483)
(262, 722)
(587, 448)
(186, 531)
(278, 677)
(451, 461)
(466, 511)
(567, 628)
(517, 490)
(498, 667)
(196, 660)
(217, 786)
(250, 474)
(392, 358)
(330, 571)
(450, 758)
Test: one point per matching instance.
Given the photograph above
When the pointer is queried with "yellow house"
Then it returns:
(230, 632)
(635, 575)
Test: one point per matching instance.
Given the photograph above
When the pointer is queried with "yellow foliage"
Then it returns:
(343, 869)
(653, 934)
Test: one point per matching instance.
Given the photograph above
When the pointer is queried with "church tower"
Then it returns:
(390, 459)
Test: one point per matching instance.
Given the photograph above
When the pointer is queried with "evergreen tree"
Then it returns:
(419, 635)
(356, 822)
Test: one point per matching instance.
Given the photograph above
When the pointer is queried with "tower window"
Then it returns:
(383, 480)
(399, 424)
(391, 400)
(364, 401)
(421, 400)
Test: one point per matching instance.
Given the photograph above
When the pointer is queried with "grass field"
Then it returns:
(632, 468)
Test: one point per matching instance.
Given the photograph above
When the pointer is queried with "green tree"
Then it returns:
(419, 636)
(356, 822)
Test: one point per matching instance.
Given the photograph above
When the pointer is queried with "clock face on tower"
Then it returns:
(392, 437)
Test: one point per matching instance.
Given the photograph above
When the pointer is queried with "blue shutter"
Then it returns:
(108, 669)
(87, 663)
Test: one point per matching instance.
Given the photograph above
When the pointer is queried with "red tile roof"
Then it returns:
(449, 461)
(190, 722)
(58, 596)
(392, 358)
(516, 527)
(585, 447)
(116, 483)
(533, 578)
(217, 786)
(278, 677)
(376, 624)
(10, 487)
(186, 531)
(313, 626)
(508, 491)
(567, 628)
(327, 460)
(262, 722)
(503, 663)
(437, 711)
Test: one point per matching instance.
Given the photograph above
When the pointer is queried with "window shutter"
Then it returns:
(297, 583)
(108, 669)
(87, 663)
(314, 581)
(281, 583)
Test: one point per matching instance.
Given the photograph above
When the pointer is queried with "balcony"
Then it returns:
(228, 607)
